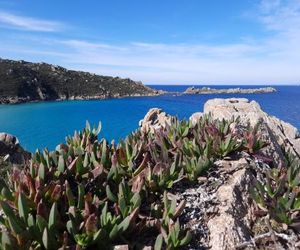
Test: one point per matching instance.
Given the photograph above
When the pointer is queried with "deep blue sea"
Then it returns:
(39, 125)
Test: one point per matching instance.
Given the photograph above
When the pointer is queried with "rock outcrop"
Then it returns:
(22, 81)
(220, 210)
(231, 225)
(11, 151)
(278, 133)
(154, 119)
(195, 117)
(208, 90)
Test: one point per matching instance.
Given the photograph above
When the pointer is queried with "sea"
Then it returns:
(46, 124)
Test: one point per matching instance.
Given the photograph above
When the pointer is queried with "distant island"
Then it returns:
(22, 81)
(207, 90)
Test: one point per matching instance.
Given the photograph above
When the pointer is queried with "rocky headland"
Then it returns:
(220, 208)
(247, 199)
(22, 81)
(208, 90)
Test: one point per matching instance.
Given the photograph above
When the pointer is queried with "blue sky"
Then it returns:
(159, 42)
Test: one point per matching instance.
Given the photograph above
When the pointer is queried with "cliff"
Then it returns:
(22, 81)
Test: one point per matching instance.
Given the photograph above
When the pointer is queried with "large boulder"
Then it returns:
(11, 150)
(154, 119)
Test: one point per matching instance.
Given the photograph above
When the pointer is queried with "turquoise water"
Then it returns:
(39, 125)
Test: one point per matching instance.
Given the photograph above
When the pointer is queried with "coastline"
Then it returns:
(8, 100)
(23, 82)
(233, 168)
(156, 92)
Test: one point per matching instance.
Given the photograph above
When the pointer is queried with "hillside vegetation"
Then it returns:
(22, 81)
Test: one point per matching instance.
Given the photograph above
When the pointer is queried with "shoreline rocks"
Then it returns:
(208, 90)
(219, 210)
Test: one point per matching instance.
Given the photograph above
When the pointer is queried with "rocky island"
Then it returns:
(208, 90)
(22, 81)
(228, 178)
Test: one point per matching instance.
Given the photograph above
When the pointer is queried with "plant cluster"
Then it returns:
(90, 193)
(278, 192)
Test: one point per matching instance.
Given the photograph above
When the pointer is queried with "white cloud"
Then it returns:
(281, 15)
(79, 44)
(29, 23)
(273, 59)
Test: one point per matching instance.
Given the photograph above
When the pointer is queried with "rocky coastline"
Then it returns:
(208, 90)
(22, 81)
(220, 210)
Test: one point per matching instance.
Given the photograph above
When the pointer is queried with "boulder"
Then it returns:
(11, 150)
(234, 107)
(154, 119)
(195, 117)
(8, 139)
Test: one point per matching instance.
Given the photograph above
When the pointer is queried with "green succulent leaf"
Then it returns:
(186, 240)
(159, 242)
(53, 217)
(61, 164)
(110, 194)
(7, 241)
(114, 232)
(22, 207)
(42, 171)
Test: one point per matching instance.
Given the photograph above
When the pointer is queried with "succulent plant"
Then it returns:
(278, 192)
(252, 141)
(91, 193)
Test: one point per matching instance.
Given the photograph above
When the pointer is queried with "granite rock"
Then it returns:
(154, 119)
(11, 150)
